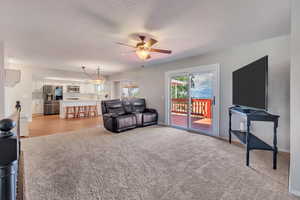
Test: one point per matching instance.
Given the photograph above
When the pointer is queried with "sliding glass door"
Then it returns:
(202, 99)
(192, 101)
(179, 97)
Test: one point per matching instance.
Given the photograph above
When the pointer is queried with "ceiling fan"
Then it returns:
(143, 48)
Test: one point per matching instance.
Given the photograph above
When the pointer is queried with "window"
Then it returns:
(130, 89)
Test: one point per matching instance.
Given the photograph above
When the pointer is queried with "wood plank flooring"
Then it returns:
(51, 124)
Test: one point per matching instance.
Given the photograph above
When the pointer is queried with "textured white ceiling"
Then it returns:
(65, 34)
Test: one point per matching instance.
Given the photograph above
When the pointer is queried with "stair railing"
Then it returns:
(10, 150)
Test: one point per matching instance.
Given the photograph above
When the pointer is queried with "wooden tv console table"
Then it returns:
(250, 140)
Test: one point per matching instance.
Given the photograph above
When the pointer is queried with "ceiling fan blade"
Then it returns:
(151, 42)
(161, 51)
(123, 44)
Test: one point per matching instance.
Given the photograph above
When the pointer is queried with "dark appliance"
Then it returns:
(58, 92)
(51, 95)
(250, 85)
(73, 89)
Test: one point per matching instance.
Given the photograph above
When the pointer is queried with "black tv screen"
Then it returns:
(250, 85)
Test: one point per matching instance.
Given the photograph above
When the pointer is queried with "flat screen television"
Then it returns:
(250, 85)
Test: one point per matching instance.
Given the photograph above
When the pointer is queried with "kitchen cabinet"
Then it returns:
(37, 86)
(87, 88)
(81, 88)
(91, 88)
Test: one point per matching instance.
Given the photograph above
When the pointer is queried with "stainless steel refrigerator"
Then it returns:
(52, 94)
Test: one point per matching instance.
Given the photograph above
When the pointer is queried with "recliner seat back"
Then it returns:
(113, 106)
(138, 105)
(127, 106)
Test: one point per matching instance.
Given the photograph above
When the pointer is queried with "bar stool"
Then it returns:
(71, 110)
(82, 110)
(92, 111)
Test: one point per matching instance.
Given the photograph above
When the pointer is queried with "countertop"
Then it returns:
(87, 100)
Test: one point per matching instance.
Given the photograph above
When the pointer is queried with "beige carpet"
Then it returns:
(153, 163)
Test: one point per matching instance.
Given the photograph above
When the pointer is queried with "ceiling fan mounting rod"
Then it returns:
(142, 37)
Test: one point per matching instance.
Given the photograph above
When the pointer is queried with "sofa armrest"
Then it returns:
(151, 110)
(110, 115)
(110, 121)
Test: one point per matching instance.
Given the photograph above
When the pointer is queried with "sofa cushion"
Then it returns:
(139, 118)
(126, 121)
(149, 117)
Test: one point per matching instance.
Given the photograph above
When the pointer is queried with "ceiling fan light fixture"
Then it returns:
(143, 54)
(144, 48)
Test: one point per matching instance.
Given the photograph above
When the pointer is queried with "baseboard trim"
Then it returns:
(295, 192)
(161, 124)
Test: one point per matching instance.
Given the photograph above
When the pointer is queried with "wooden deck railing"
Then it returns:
(200, 107)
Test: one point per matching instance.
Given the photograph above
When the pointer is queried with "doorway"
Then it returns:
(116, 90)
(193, 99)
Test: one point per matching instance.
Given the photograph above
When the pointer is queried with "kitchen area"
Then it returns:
(57, 98)
(51, 97)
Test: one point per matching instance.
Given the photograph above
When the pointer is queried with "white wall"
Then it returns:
(20, 92)
(151, 81)
(295, 99)
(2, 100)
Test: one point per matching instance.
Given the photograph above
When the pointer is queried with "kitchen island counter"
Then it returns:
(65, 103)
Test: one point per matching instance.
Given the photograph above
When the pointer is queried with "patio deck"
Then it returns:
(197, 123)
